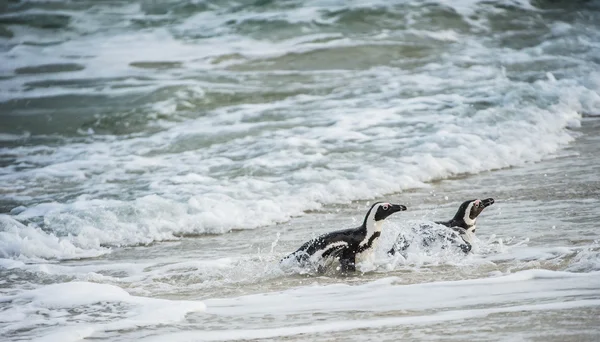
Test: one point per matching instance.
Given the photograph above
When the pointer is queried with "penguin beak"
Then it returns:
(487, 202)
(398, 207)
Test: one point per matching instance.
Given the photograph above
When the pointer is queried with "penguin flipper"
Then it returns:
(465, 247)
(299, 256)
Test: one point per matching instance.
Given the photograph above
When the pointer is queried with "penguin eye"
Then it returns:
(385, 206)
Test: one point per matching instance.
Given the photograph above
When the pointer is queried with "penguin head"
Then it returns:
(381, 210)
(469, 210)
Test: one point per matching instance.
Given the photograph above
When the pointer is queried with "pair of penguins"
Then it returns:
(350, 245)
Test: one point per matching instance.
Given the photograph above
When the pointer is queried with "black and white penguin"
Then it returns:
(346, 245)
(462, 228)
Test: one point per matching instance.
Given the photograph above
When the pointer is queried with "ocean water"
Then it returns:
(159, 157)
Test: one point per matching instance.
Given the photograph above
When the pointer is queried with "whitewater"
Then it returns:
(158, 158)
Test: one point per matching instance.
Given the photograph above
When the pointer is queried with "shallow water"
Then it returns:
(157, 159)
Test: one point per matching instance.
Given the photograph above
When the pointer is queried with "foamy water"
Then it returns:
(157, 159)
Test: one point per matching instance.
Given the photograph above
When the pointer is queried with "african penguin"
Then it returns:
(345, 245)
(462, 228)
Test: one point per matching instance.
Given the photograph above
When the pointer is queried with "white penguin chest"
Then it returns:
(367, 254)
(369, 243)
(469, 235)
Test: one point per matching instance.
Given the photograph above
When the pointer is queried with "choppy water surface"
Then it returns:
(157, 158)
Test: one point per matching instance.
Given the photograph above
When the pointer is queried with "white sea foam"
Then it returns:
(348, 325)
(586, 260)
(506, 289)
(456, 300)
(17, 239)
(13, 137)
(99, 307)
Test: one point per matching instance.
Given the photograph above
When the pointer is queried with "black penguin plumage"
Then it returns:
(346, 244)
(462, 224)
